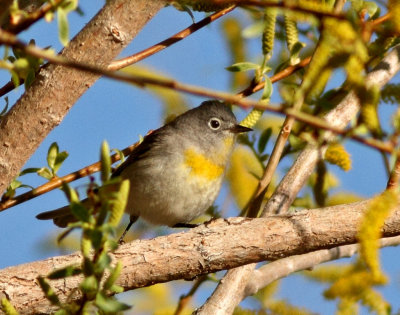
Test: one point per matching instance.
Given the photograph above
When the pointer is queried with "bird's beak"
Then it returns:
(240, 129)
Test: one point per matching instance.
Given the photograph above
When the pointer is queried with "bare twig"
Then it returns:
(184, 299)
(59, 181)
(394, 178)
(24, 22)
(124, 62)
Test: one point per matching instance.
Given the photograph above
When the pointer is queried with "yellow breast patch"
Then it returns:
(202, 166)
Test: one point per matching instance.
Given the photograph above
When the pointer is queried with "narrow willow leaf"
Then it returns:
(242, 66)
(268, 89)
(63, 27)
(113, 276)
(118, 203)
(45, 172)
(52, 154)
(65, 272)
(89, 285)
(264, 138)
(48, 291)
(109, 304)
(59, 160)
(105, 162)
(7, 307)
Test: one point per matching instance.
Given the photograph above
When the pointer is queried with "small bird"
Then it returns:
(176, 172)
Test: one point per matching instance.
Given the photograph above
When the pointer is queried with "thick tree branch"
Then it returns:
(219, 245)
(57, 88)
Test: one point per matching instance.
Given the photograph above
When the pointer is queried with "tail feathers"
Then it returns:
(61, 216)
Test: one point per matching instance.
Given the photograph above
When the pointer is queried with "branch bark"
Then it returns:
(221, 244)
(57, 88)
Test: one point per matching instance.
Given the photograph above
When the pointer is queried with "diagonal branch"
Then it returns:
(221, 244)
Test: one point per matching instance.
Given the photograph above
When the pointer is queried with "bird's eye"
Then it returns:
(214, 123)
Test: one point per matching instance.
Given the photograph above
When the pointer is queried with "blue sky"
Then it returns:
(119, 113)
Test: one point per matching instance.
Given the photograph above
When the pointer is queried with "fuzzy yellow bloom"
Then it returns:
(336, 154)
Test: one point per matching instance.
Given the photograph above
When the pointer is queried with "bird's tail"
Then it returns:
(61, 216)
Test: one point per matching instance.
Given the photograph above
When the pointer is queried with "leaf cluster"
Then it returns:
(97, 218)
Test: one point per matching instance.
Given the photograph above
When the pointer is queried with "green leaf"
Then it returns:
(265, 136)
(30, 77)
(45, 172)
(59, 160)
(371, 7)
(79, 211)
(116, 289)
(105, 162)
(29, 170)
(48, 291)
(267, 91)
(254, 30)
(65, 272)
(7, 307)
(63, 27)
(96, 237)
(110, 304)
(118, 203)
(114, 274)
(243, 66)
(52, 155)
(103, 262)
(89, 285)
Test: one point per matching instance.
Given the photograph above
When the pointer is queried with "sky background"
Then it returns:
(120, 112)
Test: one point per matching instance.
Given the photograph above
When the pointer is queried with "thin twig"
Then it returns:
(394, 178)
(59, 181)
(273, 161)
(33, 17)
(121, 63)
(184, 299)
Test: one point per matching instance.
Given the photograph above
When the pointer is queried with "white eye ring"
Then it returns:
(214, 123)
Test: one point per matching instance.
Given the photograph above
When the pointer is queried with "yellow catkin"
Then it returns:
(252, 118)
(292, 34)
(375, 301)
(336, 154)
(319, 61)
(269, 31)
(370, 231)
(350, 285)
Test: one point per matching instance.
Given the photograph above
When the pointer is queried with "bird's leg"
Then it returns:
(132, 219)
(186, 225)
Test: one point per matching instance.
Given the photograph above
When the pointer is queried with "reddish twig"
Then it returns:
(121, 63)
(59, 181)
